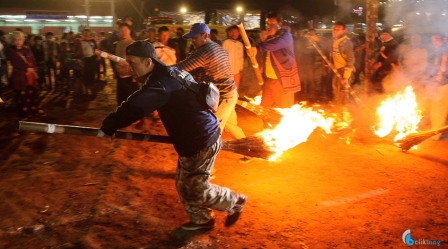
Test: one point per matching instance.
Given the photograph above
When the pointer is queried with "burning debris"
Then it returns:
(400, 112)
(413, 139)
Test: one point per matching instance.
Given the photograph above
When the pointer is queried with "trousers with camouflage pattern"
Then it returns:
(197, 194)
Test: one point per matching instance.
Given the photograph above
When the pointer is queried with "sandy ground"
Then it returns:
(67, 191)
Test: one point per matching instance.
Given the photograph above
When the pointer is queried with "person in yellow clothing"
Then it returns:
(343, 58)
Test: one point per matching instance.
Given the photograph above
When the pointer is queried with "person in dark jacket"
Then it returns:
(387, 59)
(39, 55)
(194, 131)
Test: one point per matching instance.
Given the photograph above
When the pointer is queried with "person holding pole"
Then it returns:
(194, 131)
(276, 58)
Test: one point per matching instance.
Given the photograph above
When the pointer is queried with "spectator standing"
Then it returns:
(181, 43)
(275, 56)
(86, 46)
(214, 36)
(236, 54)
(386, 61)
(23, 79)
(166, 48)
(126, 85)
(51, 58)
(39, 55)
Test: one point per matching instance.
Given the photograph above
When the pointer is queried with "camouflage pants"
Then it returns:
(196, 193)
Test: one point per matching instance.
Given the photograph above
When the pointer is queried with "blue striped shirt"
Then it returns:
(211, 63)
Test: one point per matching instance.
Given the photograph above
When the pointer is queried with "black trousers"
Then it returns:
(89, 70)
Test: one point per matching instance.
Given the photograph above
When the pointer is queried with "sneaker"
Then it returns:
(191, 226)
(235, 213)
(247, 159)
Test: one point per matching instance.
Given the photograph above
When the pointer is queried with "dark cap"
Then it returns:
(387, 30)
(143, 49)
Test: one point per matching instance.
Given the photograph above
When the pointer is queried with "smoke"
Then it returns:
(417, 16)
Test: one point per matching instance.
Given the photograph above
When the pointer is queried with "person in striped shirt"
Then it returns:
(211, 63)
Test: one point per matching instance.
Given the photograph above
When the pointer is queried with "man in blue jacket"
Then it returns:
(193, 129)
(276, 58)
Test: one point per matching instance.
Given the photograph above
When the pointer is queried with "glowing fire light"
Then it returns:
(400, 112)
(295, 127)
(256, 100)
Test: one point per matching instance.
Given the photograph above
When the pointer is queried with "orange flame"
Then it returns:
(400, 112)
(297, 124)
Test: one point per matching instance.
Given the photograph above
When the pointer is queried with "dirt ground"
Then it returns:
(67, 191)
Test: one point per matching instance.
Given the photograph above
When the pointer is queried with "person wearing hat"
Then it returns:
(212, 64)
(193, 129)
(386, 61)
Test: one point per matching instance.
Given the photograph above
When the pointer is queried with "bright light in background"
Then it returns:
(239, 9)
(81, 16)
(183, 10)
(12, 16)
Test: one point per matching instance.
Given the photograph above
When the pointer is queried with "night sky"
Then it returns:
(306, 8)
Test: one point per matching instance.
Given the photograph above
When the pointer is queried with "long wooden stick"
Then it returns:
(111, 57)
(336, 72)
(252, 146)
(253, 60)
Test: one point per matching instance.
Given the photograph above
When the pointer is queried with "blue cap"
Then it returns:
(197, 28)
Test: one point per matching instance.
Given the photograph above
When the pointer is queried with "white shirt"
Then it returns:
(235, 50)
(87, 48)
(166, 54)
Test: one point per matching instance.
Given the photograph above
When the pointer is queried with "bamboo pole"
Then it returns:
(252, 58)
(335, 71)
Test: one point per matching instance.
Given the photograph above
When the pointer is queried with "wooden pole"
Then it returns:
(371, 20)
(252, 146)
(252, 59)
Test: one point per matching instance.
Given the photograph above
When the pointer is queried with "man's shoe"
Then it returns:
(191, 226)
(246, 159)
(235, 213)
